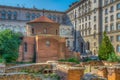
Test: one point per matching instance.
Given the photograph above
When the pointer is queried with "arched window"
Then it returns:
(87, 45)
(32, 30)
(3, 14)
(118, 6)
(28, 16)
(94, 35)
(82, 47)
(118, 15)
(9, 15)
(56, 32)
(15, 15)
(25, 47)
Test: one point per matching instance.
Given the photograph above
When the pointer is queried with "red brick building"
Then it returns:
(42, 42)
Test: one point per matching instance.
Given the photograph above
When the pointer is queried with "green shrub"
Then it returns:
(75, 60)
(113, 57)
(2, 60)
(62, 60)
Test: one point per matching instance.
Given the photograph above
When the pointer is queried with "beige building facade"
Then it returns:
(89, 19)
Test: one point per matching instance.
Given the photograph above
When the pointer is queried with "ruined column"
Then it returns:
(102, 71)
(75, 73)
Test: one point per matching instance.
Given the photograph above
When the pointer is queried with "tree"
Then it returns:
(9, 45)
(105, 48)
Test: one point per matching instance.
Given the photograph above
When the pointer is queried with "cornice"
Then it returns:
(30, 9)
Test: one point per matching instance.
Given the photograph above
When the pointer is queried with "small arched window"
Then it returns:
(56, 32)
(32, 30)
(25, 47)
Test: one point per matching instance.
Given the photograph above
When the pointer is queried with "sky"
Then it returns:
(58, 5)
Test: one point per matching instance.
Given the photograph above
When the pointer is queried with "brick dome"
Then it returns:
(42, 19)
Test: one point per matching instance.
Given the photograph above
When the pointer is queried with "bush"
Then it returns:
(2, 60)
(73, 59)
(112, 57)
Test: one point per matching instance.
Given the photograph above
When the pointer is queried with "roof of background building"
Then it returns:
(42, 19)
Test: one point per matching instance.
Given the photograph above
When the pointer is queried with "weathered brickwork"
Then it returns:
(43, 42)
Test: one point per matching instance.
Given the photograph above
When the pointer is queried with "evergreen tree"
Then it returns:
(105, 48)
(9, 45)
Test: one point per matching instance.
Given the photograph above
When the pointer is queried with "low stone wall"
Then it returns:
(28, 68)
(18, 76)
(66, 72)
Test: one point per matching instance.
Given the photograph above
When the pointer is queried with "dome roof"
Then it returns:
(42, 19)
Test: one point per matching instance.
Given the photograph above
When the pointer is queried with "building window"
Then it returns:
(32, 30)
(56, 32)
(89, 24)
(118, 6)
(111, 38)
(33, 16)
(118, 26)
(15, 15)
(111, 27)
(111, 18)
(118, 48)
(118, 37)
(86, 18)
(111, 1)
(94, 1)
(95, 44)
(25, 47)
(111, 9)
(106, 19)
(3, 14)
(94, 18)
(89, 17)
(118, 15)
(106, 28)
(106, 2)
(95, 27)
(94, 35)
(68, 43)
(88, 46)
(82, 47)
(89, 32)
(28, 16)
(106, 11)
(9, 15)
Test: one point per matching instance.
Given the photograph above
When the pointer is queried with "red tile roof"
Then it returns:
(42, 19)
